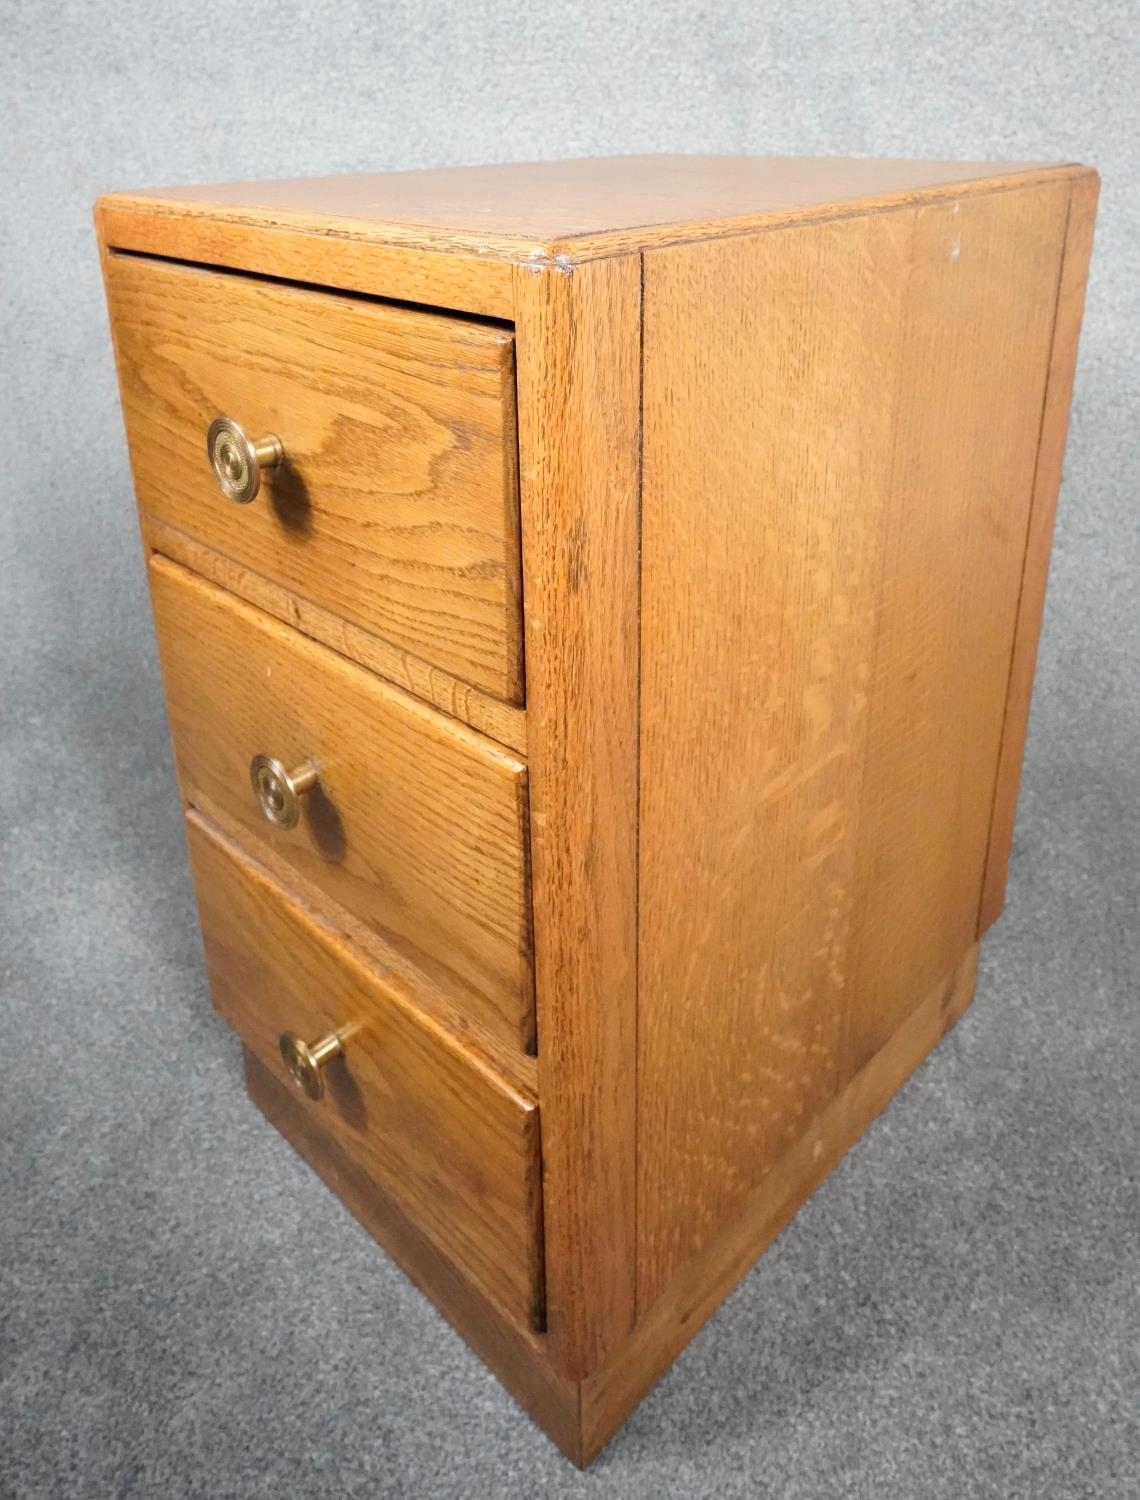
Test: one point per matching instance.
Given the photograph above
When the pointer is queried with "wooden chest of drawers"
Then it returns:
(598, 606)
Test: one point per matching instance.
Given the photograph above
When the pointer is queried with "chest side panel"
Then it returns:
(840, 429)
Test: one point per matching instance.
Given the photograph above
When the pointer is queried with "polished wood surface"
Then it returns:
(1046, 488)
(589, 207)
(975, 335)
(397, 506)
(423, 1118)
(417, 825)
(838, 462)
(579, 366)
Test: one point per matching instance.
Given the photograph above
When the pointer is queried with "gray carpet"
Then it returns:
(184, 1309)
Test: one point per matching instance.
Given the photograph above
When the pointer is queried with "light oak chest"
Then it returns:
(598, 606)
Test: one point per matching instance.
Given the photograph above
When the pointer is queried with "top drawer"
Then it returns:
(396, 504)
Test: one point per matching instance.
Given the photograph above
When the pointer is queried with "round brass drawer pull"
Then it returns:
(305, 1063)
(237, 460)
(279, 791)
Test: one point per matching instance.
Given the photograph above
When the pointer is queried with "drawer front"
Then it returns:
(415, 824)
(396, 504)
(430, 1124)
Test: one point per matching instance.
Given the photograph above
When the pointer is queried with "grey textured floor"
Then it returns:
(184, 1310)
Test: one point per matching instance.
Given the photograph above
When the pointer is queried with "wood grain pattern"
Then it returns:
(502, 721)
(828, 189)
(397, 507)
(578, 359)
(423, 1119)
(583, 209)
(767, 442)
(1046, 488)
(417, 826)
(838, 461)
(441, 273)
(519, 1070)
(704, 1282)
(974, 350)
(515, 1355)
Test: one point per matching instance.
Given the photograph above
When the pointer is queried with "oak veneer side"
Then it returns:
(840, 422)
(1046, 490)
(578, 349)
(766, 449)
(976, 322)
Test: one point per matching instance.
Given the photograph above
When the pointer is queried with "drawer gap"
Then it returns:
(147, 257)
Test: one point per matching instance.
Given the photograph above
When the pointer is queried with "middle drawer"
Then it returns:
(413, 823)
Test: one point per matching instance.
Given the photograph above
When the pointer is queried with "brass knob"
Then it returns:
(237, 460)
(279, 791)
(305, 1063)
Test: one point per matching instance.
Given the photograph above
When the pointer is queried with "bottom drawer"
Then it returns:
(433, 1126)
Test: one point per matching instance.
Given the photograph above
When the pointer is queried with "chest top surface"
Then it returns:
(586, 207)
